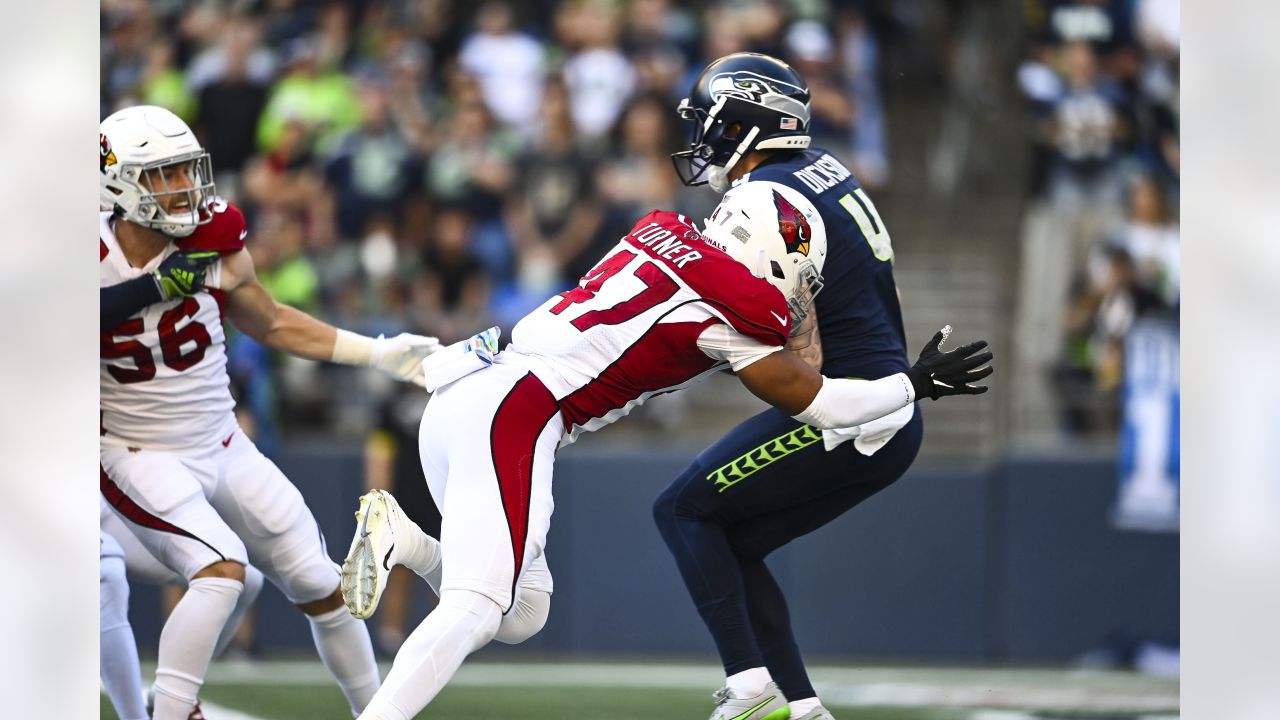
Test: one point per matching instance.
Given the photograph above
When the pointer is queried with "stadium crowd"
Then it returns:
(1102, 79)
(438, 166)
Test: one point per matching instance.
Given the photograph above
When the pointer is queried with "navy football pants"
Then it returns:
(765, 483)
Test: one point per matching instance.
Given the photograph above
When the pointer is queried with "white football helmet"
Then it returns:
(778, 234)
(137, 140)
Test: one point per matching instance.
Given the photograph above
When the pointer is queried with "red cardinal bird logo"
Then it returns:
(793, 225)
(107, 158)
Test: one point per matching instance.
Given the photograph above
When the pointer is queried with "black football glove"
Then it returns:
(182, 273)
(939, 373)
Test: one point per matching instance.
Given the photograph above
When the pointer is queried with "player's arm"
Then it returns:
(806, 342)
(180, 275)
(252, 310)
(784, 380)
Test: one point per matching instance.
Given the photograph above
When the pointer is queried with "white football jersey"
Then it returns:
(662, 310)
(163, 371)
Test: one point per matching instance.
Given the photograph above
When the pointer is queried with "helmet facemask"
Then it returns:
(807, 286)
(154, 191)
(702, 158)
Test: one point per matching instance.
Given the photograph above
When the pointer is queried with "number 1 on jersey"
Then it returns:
(873, 229)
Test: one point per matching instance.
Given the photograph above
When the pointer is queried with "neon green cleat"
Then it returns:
(768, 705)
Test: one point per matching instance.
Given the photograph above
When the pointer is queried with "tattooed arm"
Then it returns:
(807, 342)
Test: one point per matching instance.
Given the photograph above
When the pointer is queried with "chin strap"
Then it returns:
(718, 178)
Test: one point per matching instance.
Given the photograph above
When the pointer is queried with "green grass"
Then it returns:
(473, 703)
(656, 690)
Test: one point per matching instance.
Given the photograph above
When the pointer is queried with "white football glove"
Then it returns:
(401, 356)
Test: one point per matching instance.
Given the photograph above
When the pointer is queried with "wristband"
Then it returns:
(352, 348)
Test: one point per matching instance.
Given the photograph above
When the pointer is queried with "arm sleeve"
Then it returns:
(842, 403)
(118, 302)
(722, 343)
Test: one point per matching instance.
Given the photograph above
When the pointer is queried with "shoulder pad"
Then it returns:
(225, 232)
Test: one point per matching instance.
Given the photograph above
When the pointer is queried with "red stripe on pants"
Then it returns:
(513, 437)
(136, 514)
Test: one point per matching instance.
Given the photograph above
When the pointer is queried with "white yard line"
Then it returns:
(1003, 694)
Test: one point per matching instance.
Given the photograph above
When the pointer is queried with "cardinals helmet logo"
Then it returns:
(793, 225)
(108, 157)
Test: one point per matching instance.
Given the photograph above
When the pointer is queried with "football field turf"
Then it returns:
(556, 690)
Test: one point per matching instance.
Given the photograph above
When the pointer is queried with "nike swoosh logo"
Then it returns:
(784, 324)
(387, 560)
(227, 442)
(752, 710)
(244, 234)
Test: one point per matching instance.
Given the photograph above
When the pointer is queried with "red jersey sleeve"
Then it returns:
(225, 232)
(752, 306)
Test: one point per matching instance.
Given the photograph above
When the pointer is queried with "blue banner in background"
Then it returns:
(1149, 491)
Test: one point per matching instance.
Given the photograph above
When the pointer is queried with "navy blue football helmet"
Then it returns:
(739, 103)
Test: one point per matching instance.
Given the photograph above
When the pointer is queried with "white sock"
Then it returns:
(252, 586)
(748, 683)
(346, 650)
(807, 705)
(187, 641)
(117, 649)
(418, 551)
(462, 623)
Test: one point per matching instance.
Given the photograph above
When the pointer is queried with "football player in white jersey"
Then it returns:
(175, 465)
(121, 553)
(665, 308)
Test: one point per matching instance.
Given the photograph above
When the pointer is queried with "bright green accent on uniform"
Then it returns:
(761, 457)
(781, 713)
(770, 716)
(879, 241)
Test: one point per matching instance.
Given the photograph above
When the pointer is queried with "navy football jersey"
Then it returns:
(858, 314)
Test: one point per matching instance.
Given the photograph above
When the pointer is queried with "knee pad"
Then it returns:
(525, 619)
(308, 581)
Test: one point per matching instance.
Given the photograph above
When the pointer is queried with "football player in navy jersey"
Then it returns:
(774, 478)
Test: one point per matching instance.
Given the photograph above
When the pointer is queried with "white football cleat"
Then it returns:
(768, 705)
(369, 561)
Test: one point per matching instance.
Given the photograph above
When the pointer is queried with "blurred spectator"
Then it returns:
(1151, 238)
(810, 50)
(1083, 123)
(127, 27)
(599, 76)
(860, 58)
(636, 176)
(451, 295)
(554, 212)
(507, 63)
(372, 169)
(322, 100)
(232, 83)
(472, 167)
(162, 84)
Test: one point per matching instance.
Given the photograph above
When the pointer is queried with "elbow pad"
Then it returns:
(842, 403)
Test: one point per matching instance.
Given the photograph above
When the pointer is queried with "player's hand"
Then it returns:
(953, 372)
(401, 356)
(182, 273)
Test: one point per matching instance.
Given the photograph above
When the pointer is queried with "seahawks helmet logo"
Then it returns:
(107, 157)
(770, 92)
(793, 225)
